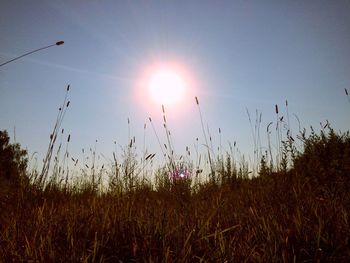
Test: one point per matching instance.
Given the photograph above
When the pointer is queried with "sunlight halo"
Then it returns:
(166, 87)
(169, 83)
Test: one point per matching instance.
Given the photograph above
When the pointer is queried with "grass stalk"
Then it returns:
(212, 172)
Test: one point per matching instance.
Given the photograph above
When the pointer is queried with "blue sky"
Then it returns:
(241, 54)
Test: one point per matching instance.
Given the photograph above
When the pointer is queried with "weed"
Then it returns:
(296, 210)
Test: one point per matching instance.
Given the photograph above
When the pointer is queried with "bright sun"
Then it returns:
(166, 87)
(169, 83)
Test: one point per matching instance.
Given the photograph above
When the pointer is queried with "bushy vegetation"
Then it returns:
(13, 161)
(294, 214)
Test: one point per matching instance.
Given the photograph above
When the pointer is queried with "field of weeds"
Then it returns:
(299, 215)
(295, 209)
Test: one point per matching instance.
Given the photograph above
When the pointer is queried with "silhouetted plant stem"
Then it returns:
(269, 143)
(347, 95)
(212, 174)
(53, 137)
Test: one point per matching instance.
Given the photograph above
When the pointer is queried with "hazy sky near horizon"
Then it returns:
(238, 54)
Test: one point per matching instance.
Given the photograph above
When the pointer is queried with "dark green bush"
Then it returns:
(13, 159)
(325, 160)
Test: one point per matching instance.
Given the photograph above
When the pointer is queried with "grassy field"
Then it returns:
(300, 215)
(293, 210)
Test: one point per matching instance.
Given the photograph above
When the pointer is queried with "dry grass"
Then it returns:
(272, 218)
(299, 214)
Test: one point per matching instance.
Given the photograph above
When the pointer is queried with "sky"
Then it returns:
(233, 55)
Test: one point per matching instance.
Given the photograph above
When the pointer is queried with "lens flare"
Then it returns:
(180, 174)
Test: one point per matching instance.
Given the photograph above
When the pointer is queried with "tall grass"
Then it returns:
(212, 170)
(41, 180)
(296, 214)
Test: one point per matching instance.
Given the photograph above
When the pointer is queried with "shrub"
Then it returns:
(325, 160)
(13, 159)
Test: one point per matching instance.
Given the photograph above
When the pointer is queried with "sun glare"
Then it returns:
(166, 87)
(169, 83)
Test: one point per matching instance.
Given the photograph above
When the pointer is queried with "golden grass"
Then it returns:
(299, 214)
(262, 220)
